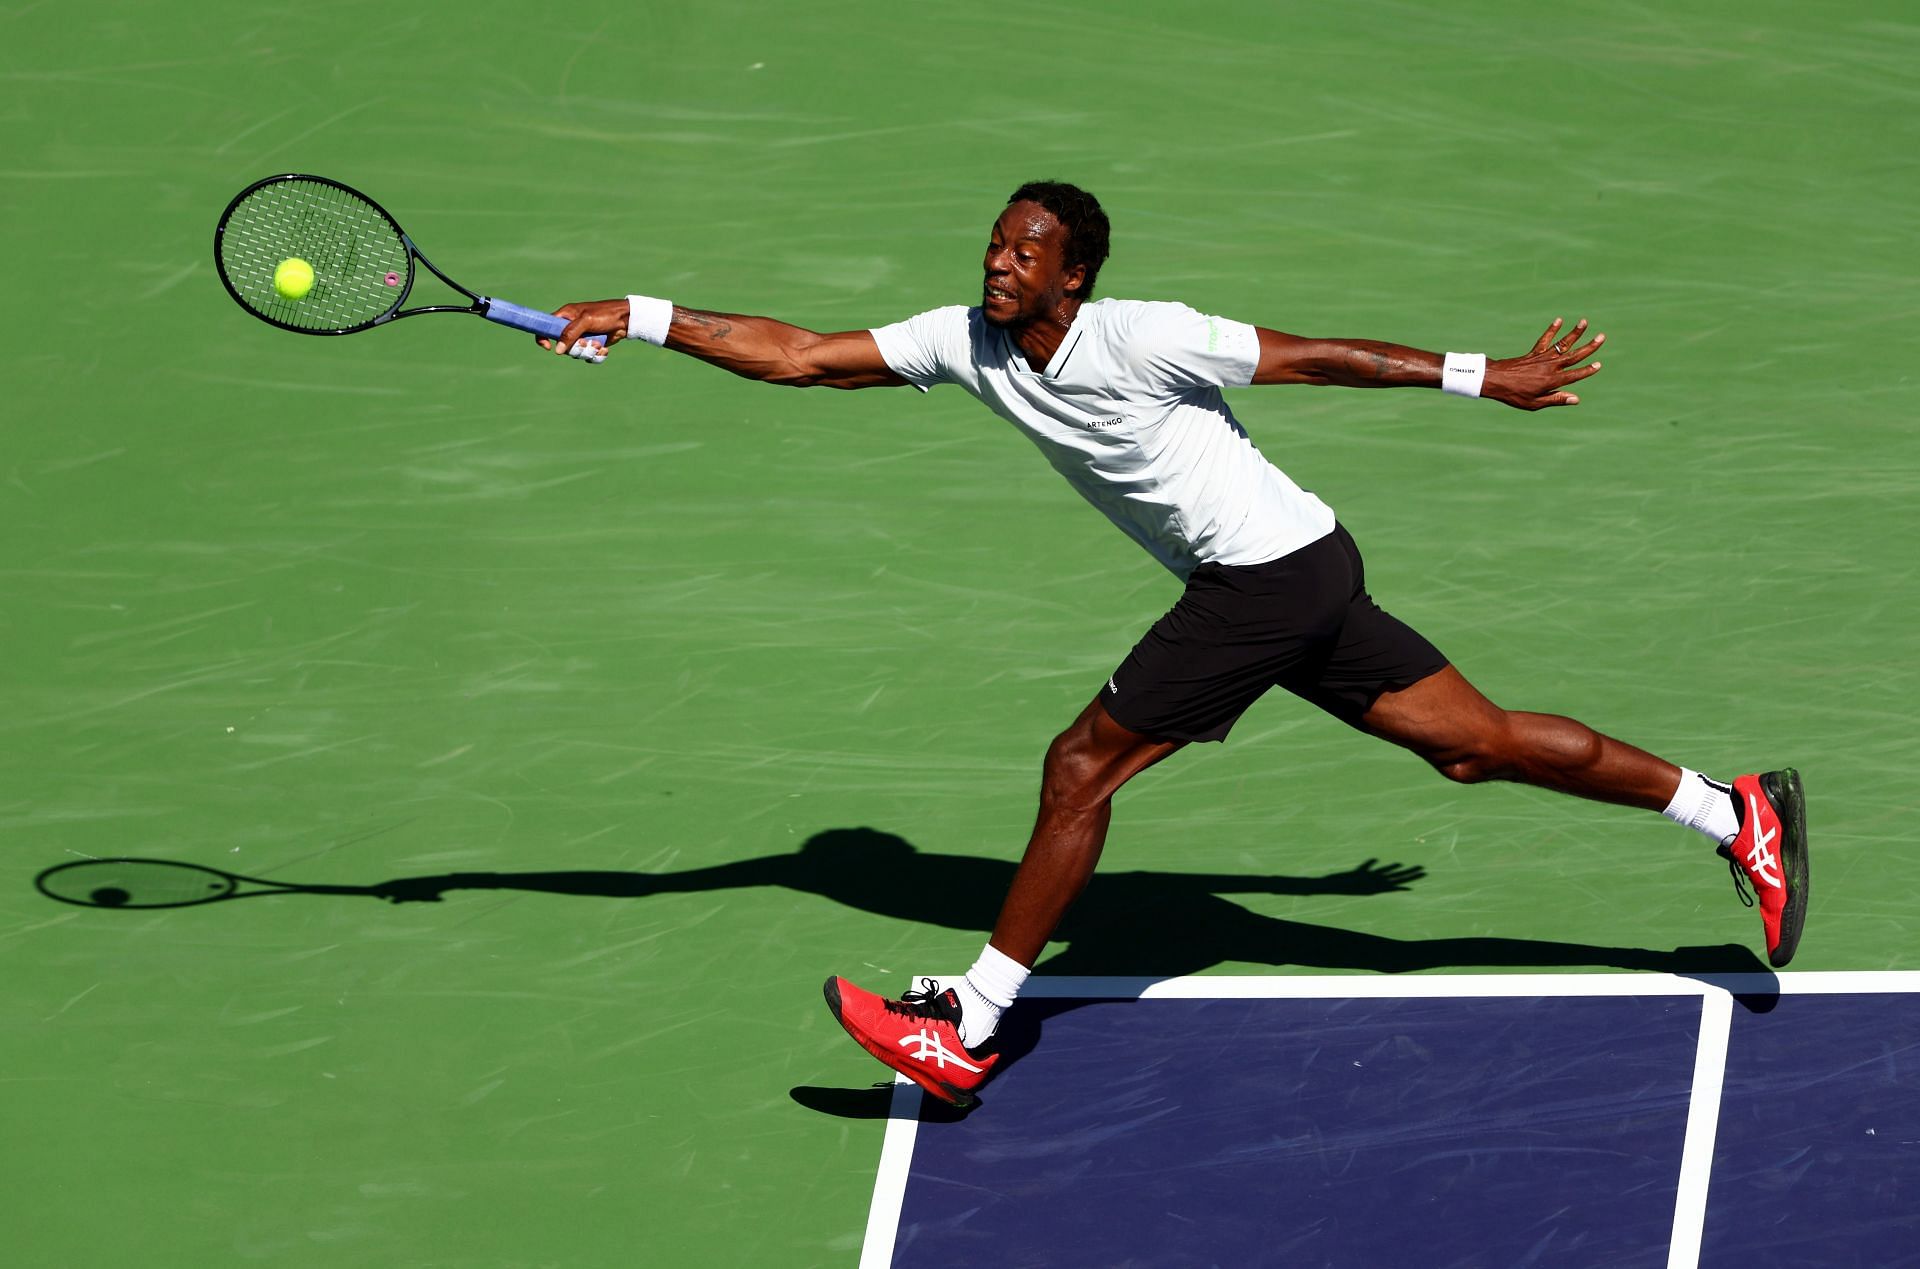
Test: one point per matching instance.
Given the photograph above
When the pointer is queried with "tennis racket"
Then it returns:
(363, 262)
(161, 883)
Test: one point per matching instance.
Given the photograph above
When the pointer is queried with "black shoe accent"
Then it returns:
(1783, 789)
(929, 1001)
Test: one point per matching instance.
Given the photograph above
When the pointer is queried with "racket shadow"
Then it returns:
(1142, 924)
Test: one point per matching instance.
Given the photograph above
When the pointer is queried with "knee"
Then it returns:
(1072, 777)
(1486, 752)
(1470, 769)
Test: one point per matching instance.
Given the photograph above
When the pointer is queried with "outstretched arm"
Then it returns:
(1532, 381)
(751, 347)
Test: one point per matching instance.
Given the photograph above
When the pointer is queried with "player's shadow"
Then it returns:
(1129, 924)
(1126, 924)
(1136, 924)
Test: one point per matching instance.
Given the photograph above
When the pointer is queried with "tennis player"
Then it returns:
(1124, 398)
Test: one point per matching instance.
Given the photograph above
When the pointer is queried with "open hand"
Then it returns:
(1371, 877)
(1538, 379)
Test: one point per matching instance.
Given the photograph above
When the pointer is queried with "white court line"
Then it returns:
(1447, 986)
(1703, 1122)
(1703, 1114)
(890, 1187)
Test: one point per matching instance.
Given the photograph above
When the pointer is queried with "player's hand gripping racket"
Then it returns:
(361, 263)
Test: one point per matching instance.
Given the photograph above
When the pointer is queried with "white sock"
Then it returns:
(986, 992)
(1704, 805)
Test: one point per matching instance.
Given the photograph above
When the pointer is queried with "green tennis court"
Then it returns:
(699, 691)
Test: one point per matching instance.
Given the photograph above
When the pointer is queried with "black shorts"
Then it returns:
(1303, 622)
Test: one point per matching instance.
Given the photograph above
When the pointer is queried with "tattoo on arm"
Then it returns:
(1345, 363)
(1372, 364)
(1369, 366)
(716, 327)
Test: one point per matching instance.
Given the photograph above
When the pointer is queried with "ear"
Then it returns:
(1076, 280)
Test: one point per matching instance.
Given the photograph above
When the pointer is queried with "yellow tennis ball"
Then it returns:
(294, 278)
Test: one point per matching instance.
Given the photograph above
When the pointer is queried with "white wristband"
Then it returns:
(1463, 373)
(648, 319)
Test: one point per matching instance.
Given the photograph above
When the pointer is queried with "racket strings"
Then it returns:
(360, 263)
(135, 883)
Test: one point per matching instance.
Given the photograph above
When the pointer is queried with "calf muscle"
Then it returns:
(1086, 765)
(1467, 738)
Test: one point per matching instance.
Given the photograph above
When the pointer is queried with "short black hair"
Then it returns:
(1079, 212)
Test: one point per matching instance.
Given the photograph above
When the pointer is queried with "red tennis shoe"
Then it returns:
(917, 1035)
(1770, 853)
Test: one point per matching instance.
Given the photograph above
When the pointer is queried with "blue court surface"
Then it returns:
(1491, 1120)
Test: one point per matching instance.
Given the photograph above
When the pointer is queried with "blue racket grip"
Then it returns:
(531, 320)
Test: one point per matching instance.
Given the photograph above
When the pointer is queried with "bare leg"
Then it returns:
(1468, 738)
(1086, 764)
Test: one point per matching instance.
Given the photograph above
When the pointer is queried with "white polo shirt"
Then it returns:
(1129, 411)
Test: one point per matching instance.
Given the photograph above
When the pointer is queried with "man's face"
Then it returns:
(1026, 270)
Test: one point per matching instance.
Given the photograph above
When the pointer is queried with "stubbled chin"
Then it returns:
(997, 314)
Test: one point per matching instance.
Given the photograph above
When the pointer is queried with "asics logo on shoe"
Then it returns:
(932, 1048)
(1760, 859)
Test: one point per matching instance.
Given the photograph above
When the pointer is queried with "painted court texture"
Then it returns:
(1497, 1119)
(628, 703)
